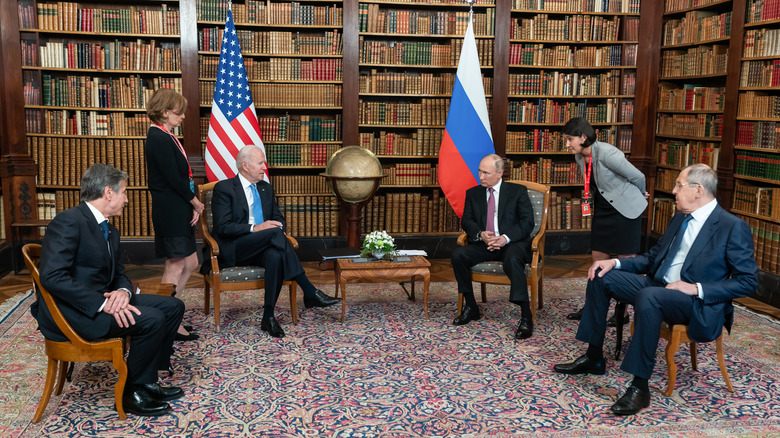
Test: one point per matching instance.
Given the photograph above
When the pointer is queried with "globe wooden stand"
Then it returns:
(353, 217)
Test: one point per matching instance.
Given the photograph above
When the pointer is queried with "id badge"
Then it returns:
(586, 207)
(192, 186)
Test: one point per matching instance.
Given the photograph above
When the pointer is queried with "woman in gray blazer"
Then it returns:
(616, 193)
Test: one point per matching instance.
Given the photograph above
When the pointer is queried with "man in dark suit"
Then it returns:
(498, 218)
(81, 268)
(250, 231)
(702, 262)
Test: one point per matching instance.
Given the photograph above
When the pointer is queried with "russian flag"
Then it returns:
(467, 136)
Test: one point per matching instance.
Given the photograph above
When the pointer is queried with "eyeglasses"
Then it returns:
(680, 185)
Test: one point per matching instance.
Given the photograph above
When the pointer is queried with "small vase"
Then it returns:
(378, 254)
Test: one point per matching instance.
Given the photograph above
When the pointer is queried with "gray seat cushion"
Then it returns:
(238, 274)
(497, 268)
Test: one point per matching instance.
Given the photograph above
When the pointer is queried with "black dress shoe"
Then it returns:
(319, 299)
(633, 401)
(612, 321)
(272, 327)
(162, 393)
(467, 315)
(582, 365)
(575, 316)
(189, 337)
(139, 402)
(525, 329)
(188, 328)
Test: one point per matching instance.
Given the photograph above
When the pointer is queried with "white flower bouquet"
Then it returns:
(378, 244)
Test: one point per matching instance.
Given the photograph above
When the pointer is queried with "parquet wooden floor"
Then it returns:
(556, 267)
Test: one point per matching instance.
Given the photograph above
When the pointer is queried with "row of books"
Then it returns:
(696, 26)
(297, 184)
(69, 17)
(762, 10)
(552, 111)
(410, 174)
(116, 55)
(691, 97)
(132, 92)
(678, 153)
(78, 122)
(761, 201)
(420, 52)
(428, 112)
(757, 164)
(544, 140)
(275, 95)
(696, 61)
(546, 171)
(374, 19)
(757, 104)
(266, 12)
(569, 84)
(280, 69)
(764, 135)
(565, 213)
(567, 28)
(665, 179)
(47, 205)
(766, 240)
(299, 154)
(274, 42)
(760, 74)
(617, 6)
(412, 82)
(135, 220)
(691, 125)
(309, 216)
(422, 142)
(663, 210)
(568, 56)
(291, 128)
(680, 5)
(410, 213)
(761, 42)
(62, 161)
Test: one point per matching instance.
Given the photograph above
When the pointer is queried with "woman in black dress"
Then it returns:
(175, 208)
(614, 193)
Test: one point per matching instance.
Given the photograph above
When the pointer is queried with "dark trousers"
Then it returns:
(514, 257)
(271, 250)
(151, 337)
(653, 304)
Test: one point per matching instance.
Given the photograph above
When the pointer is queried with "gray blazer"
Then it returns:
(622, 184)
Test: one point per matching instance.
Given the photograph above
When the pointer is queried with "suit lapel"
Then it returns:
(239, 192)
(705, 234)
(482, 207)
(97, 233)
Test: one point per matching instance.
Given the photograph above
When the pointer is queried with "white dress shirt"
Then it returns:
(496, 192)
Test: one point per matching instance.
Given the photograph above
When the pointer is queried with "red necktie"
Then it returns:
(491, 214)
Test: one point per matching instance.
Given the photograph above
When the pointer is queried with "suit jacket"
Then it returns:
(169, 184)
(231, 214)
(77, 268)
(622, 184)
(721, 259)
(515, 213)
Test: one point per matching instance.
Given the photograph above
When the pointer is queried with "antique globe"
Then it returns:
(353, 173)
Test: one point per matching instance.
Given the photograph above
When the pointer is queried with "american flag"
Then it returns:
(233, 121)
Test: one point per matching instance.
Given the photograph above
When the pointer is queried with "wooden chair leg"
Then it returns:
(206, 298)
(460, 303)
(294, 302)
(534, 295)
(671, 348)
(722, 362)
(63, 376)
(540, 290)
(51, 374)
(217, 293)
(694, 356)
(483, 286)
(119, 389)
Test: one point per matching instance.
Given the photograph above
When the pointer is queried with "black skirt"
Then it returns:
(611, 232)
(174, 247)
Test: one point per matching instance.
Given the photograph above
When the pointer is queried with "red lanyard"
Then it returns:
(588, 170)
(178, 143)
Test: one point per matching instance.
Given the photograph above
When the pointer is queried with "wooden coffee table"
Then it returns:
(347, 271)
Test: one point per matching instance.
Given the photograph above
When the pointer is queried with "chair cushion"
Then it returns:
(497, 268)
(238, 274)
(537, 202)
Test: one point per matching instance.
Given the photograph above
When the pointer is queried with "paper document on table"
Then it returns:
(411, 252)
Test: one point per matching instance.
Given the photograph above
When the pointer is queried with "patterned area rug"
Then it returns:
(389, 372)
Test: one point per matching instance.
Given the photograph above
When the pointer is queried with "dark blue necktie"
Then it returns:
(104, 227)
(257, 208)
(673, 249)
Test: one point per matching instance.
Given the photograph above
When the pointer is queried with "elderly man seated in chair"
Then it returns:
(82, 269)
(498, 218)
(702, 262)
(249, 228)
